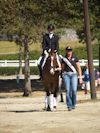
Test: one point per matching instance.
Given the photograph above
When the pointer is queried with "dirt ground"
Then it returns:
(26, 115)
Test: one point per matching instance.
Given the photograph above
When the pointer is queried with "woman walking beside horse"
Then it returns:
(71, 69)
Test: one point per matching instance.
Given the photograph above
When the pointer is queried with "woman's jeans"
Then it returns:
(70, 80)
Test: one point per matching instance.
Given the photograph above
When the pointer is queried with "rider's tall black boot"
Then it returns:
(40, 72)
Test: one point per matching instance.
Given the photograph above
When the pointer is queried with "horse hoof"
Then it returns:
(48, 108)
(55, 107)
(62, 101)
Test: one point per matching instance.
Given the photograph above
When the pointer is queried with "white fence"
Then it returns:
(15, 63)
(83, 62)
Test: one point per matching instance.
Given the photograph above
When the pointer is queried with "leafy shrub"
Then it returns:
(14, 70)
(81, 52)
(8, 70)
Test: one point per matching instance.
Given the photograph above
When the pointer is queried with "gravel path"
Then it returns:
(26, 115)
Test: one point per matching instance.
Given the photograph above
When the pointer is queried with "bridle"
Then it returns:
(52, 56)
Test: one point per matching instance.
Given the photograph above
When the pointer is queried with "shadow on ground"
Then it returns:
(25, 111)
(12, 86)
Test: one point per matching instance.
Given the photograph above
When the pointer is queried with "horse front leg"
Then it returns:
(48, 101)
(51, 102)
(55, 100)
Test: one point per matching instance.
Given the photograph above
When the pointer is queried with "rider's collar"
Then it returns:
(50, 35)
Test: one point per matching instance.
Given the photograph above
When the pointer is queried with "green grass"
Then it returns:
(9, 47)
(35, 50)
(14, 70)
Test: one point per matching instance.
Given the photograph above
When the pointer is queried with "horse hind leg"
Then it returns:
(45, 101)
(61, 96)
(54, 102)
(55, 97)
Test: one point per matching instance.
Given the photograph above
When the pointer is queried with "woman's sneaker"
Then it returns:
(69, 109)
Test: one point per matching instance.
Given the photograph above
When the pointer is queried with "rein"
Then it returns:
(52, 70)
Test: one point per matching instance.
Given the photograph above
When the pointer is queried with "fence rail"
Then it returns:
(15, 63)
(83, 62)
(33, 63)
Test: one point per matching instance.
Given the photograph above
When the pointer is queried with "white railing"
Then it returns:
(15, 63)
(83, 62)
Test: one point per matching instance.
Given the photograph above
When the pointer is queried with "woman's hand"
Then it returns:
(80, 80)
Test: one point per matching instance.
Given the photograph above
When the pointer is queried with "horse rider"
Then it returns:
(49, 43)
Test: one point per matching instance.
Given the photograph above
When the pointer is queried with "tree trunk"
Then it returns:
(20, 60)
(99, 55)
(89, 50)
(27, 89)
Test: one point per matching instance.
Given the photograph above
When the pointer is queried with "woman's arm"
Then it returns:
(79, 72)
(62, 66)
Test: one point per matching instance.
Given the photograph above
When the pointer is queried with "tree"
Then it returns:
(26, 42)
(18, 42)
(94, 14)
(17, 18)
(30, 17)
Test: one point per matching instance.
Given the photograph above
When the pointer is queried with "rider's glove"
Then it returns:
(61, 56)
(49, 50)
(45, 52)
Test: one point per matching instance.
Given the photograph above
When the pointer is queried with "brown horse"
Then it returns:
(50, 74)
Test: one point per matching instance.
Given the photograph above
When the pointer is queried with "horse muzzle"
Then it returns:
(52, 71)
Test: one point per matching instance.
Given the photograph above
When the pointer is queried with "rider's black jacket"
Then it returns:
(50, 43)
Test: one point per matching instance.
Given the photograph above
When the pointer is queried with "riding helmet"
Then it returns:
(68, 48)
(50, 27)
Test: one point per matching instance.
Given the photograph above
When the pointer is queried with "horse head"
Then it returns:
(52, 58)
